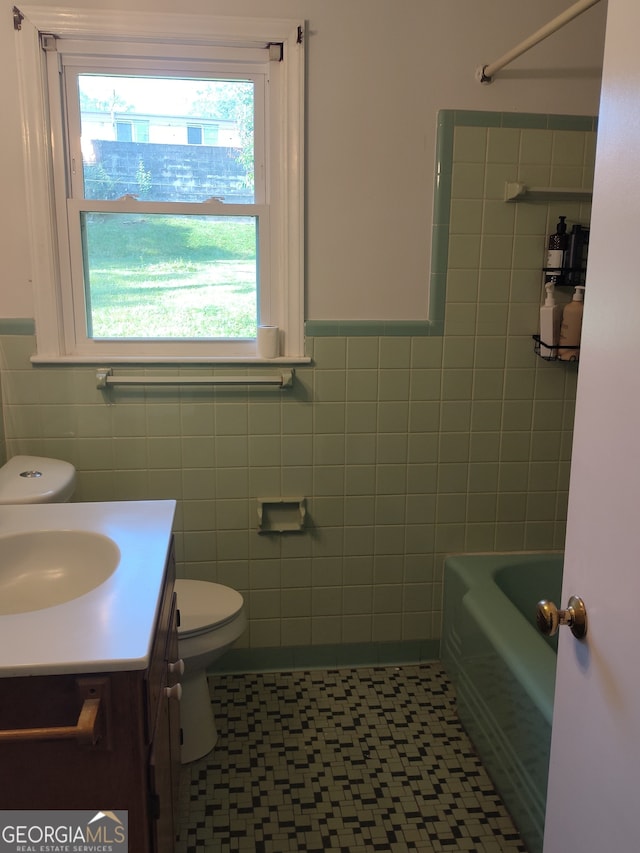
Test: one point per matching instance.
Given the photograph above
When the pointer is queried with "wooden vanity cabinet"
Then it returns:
(134, 764)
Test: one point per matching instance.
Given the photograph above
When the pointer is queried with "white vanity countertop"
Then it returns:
(109, 628)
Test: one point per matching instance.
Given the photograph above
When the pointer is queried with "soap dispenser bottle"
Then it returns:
(571, 327)
(550, 319)
(556, 248)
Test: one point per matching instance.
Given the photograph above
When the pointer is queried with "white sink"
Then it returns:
(80, 585)
(44, 568)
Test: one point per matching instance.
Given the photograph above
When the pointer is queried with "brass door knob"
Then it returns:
(549, 618)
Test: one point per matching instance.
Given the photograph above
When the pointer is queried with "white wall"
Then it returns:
(379, 71)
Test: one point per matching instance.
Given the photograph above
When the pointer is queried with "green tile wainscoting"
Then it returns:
(403, 454)
(408, 442)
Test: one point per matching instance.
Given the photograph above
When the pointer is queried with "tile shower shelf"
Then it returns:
(517, 191)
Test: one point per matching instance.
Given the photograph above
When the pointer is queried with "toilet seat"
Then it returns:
(204, 605)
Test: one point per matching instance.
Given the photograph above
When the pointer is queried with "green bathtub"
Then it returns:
(503, 671)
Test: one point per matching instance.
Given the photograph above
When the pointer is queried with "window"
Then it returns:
(169, 238)
(124, 131)
(194, 134)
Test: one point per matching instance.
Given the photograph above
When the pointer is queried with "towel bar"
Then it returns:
(105, 379)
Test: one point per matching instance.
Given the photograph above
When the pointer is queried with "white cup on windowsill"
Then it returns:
(268, 341)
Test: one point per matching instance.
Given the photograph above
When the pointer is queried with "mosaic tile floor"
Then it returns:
(351, 760)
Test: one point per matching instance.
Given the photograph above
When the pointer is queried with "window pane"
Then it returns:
(153, 276)
(124, 131)
(139, 138)
(194, 134)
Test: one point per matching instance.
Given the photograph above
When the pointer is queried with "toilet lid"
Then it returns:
(36, 479)
(204, 605)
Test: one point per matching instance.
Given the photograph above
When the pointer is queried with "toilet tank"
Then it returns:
(36, 480)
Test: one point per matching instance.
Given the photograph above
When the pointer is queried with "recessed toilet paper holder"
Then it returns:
(281, 515)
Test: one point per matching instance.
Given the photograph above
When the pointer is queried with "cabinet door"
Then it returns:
(164, 759)
(175, 732)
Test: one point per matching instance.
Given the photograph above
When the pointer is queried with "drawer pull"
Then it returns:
(85, 730)
(177, 666)
(174, 692)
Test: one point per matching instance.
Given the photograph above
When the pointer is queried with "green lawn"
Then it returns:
(157, 276)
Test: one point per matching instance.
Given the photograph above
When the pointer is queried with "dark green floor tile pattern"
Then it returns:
(350, 760)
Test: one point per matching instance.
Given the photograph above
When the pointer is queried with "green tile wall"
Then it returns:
(408, 444)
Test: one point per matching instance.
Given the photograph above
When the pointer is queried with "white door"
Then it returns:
(593, 804)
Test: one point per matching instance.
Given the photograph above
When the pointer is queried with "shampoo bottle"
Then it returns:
(556, 249)
(571, 327)
(550, 318)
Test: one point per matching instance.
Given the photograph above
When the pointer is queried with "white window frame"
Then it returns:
(56, 338)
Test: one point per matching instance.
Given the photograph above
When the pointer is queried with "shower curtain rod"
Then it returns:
(485, 73)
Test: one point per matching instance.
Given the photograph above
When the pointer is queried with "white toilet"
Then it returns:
(36, 480)
(212, 618)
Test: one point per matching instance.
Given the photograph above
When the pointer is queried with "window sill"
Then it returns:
(186, 361)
